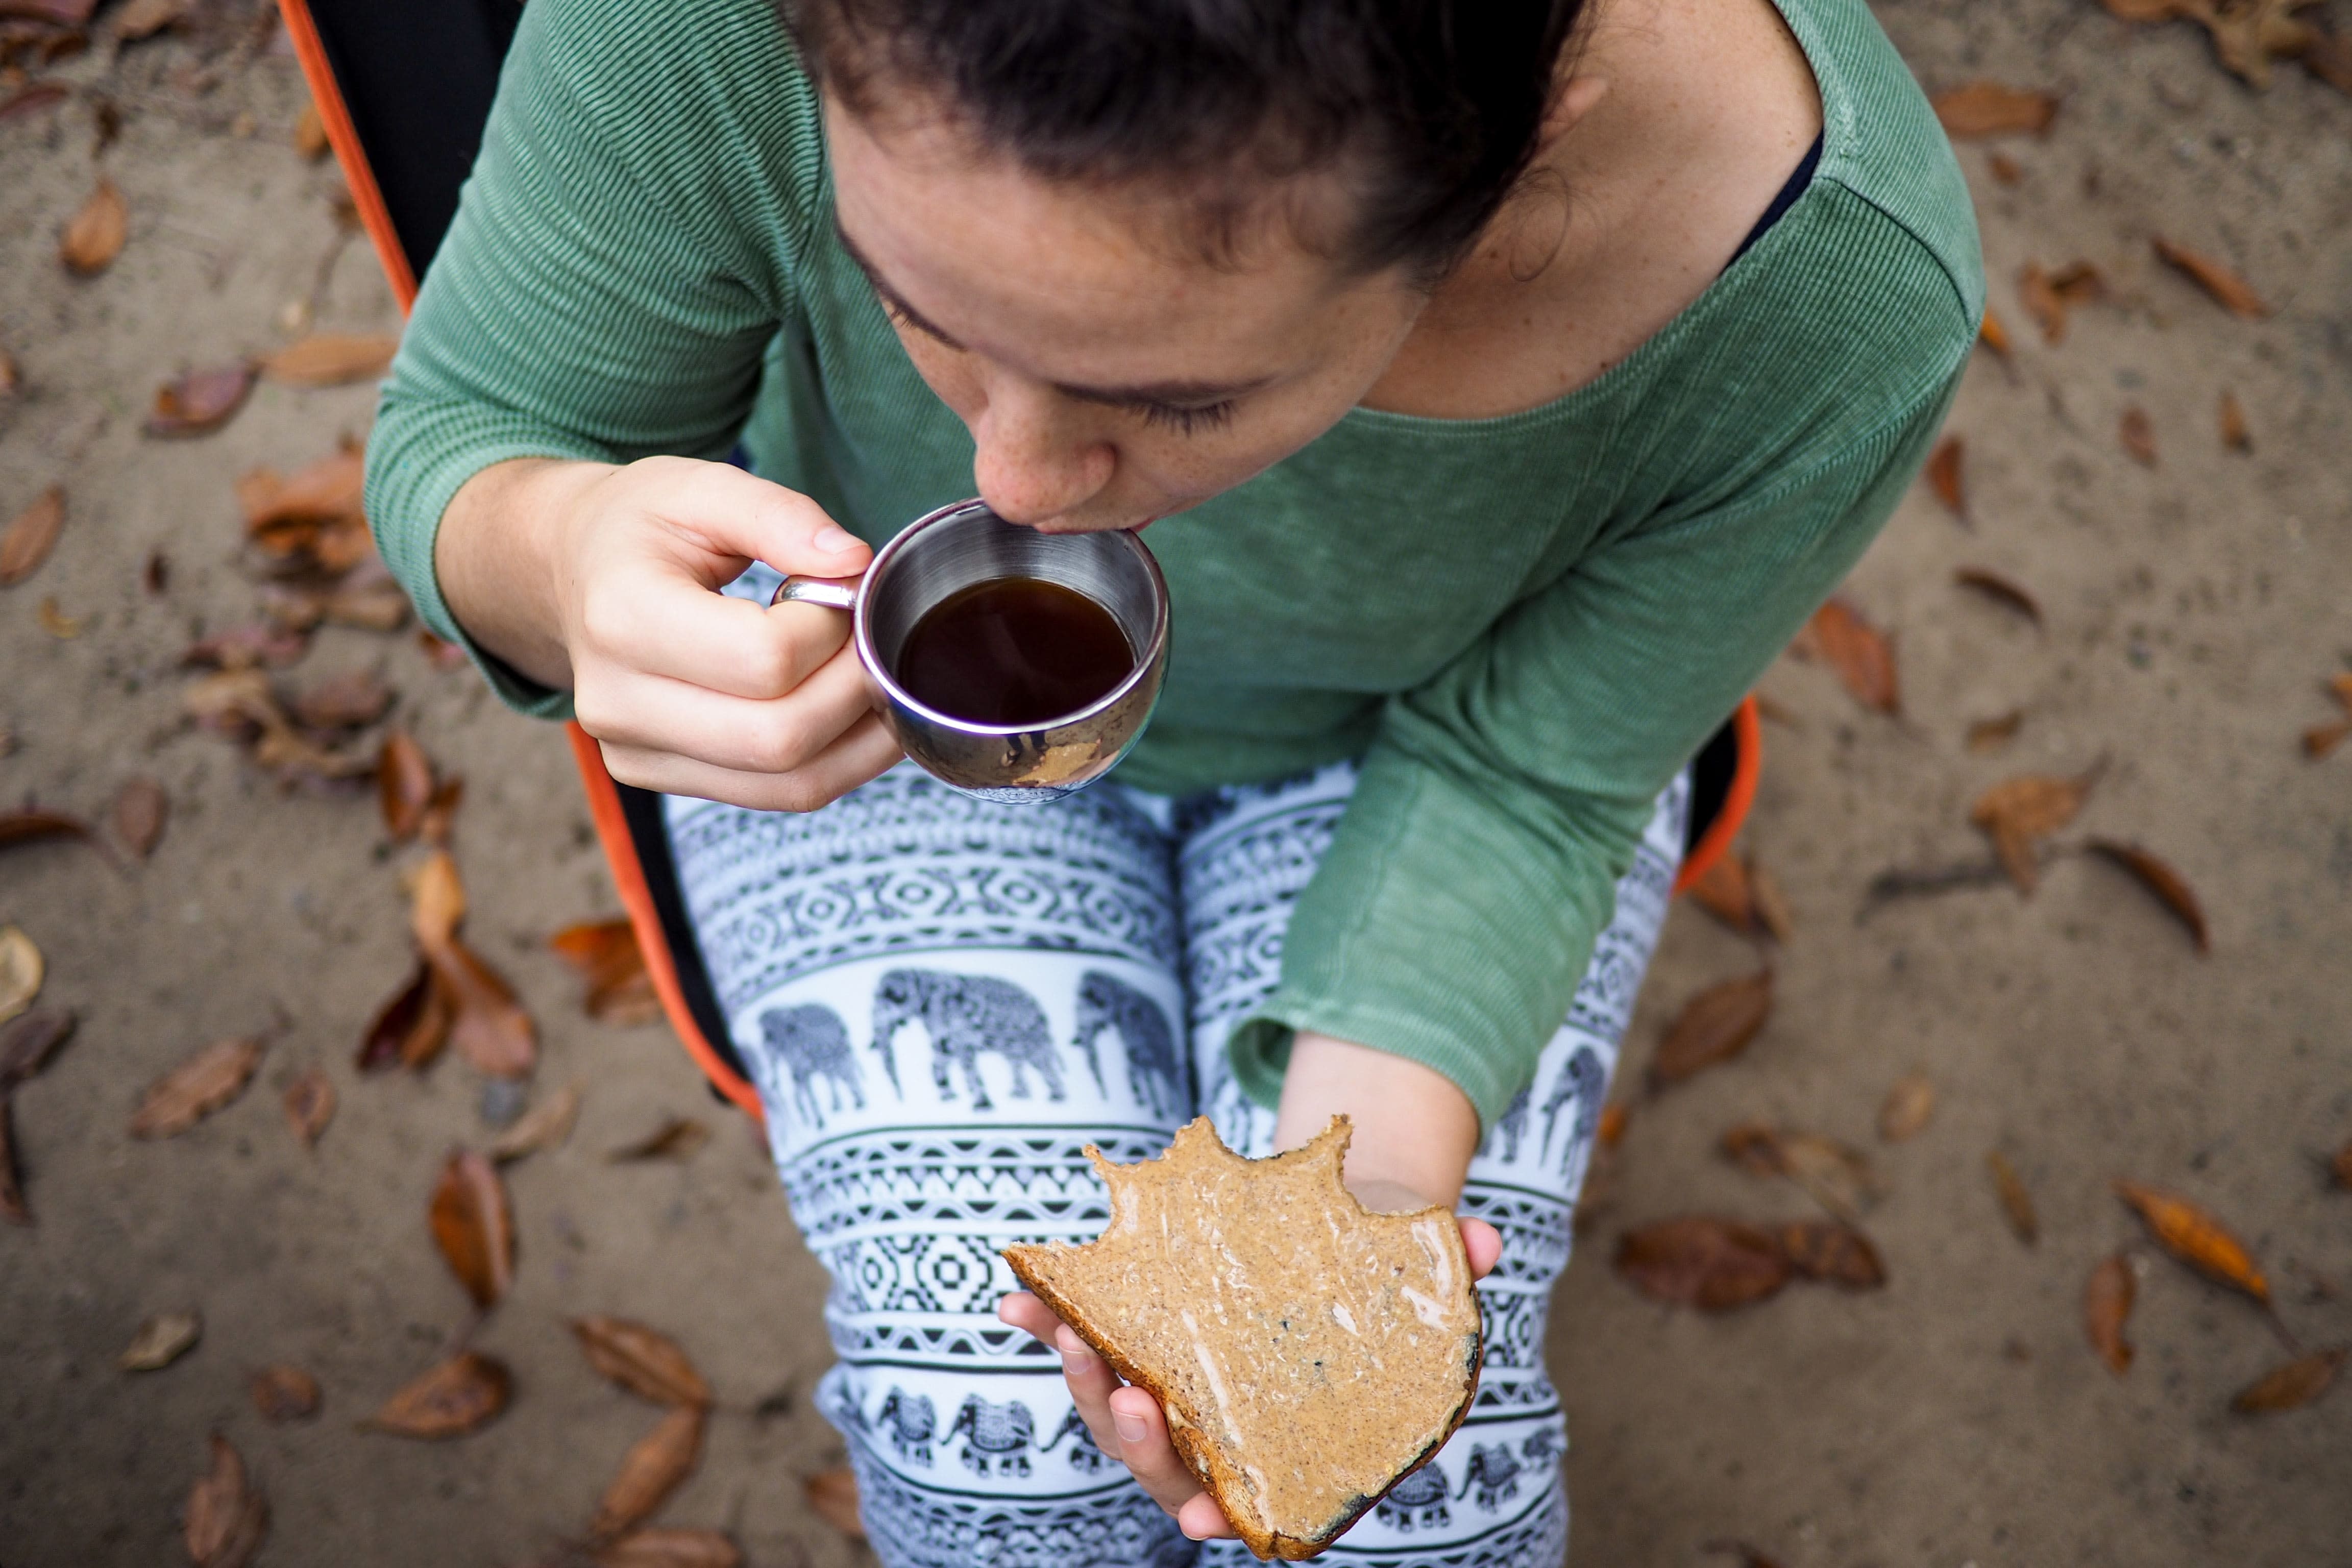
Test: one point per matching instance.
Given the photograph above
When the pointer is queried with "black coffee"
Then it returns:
(1015, 650)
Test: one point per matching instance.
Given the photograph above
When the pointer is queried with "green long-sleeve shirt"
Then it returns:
(1522, 625)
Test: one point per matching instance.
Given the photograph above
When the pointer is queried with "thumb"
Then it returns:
(737, 517)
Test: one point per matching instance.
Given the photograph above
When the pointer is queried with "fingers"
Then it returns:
(654, 616)
(732, 512)
(1483, 1243)
(1144, 1446)
(628, 707)
(866, 752)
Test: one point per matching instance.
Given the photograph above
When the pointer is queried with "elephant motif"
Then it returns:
(966, 1016)
(1512, 1124)
(1494, 1473)
(1583, 1081)
(814, 1043)
(997, 1437)
(1084, 1455)
(1417, 1502)
(1154, 1073)
(1542, 1448)
(911, 1423)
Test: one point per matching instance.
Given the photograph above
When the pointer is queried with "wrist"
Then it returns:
(1414, 1129)
(502, 556)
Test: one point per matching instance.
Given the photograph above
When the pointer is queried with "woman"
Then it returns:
(1504, 381)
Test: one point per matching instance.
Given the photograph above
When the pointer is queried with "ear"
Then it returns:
(1580, 96)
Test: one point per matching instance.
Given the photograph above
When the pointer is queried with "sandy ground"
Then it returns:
(1954, 1418)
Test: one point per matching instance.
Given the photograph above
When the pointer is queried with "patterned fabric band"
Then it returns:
(943, 1001)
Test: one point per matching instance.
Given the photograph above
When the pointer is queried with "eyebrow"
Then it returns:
(1182, 394)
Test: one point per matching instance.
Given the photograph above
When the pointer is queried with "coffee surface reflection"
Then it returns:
(1014, 651)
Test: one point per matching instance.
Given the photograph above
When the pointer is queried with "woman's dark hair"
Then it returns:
(1433, 106)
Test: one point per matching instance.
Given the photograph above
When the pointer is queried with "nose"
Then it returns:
(1033, 462)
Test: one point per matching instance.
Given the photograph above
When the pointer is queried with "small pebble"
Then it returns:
(502, 1100)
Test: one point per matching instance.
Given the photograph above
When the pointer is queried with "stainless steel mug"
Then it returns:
(952, 549)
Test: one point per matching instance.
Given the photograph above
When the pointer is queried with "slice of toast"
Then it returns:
(1309, 1354)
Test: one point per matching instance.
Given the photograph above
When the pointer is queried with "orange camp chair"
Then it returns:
(404, 91)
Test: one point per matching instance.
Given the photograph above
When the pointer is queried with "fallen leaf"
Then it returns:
(144, 18)
(2328, 57)
(56, 623)
(1615, 1119)
(605, 954)
(2291, 1386)
(437, 902)
(2340, 687)
(310, 1106)
(240, 703)
(1714, 1265)
(140, 810)
(27, 1045)
(1722, 891)
(2106, 1304)
(671, 1549)
(2196, 1238)
(488, 1026)
(2005, 169)
(2143, 10)
(676, 1138)
(310, 133)
(22, 968)
(2050, 297)
(2229, 290)
(1907, 1108)
(2234, 434)
(1838, 1178)
(2021, 812)
(31, 824)
(347, 701)
(1750, 1556)
(410, 1030)
(473, 1224)
(2139, 437)
(27, 540)
(641, 1360)
(1713, 1027)
(1942, 472)
(199, 401)
(161, 1341)
(2016, 1202)
(1992, 335)
(2162, 880)
(545, 1126)
(244, 647)
(196, 1088)
(39, 95)
(1860, 654)
(2320, 741)
(57, 13)
(404, 779)
(1772, 912)
(655, 1466)
(440, 818)
(227, 1517)
(12, 1206)
(284, 1392)
(326, 359)
(2341, 1166)
(457, 1396)
(11, 380)
(1983, 108)
(93, 236)
(285, 515)
(2001, 590)
(1834, 1254)
(1992, 734)
(833, 1498)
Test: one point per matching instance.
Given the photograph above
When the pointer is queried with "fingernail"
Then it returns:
(1131, 1427)
(833, 539)
(1075, 1361)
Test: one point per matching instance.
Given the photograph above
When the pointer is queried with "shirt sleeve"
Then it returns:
(1476, 864)
(598, 296)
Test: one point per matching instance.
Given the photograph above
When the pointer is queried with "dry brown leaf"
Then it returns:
(1750, 1556)
(11, 379)
(2196, 1238)
(676, 1138)
(605, 954)
(30, 538)
(284, 515)
(1983, 108)
(27, 1044)
(1992, 335)
(2003, 591)
(1713, 1027)
(227, 1517)
(1907, 1108)
(22, 969)
(2340, 685)
(403, 780)
(2146, 10)
(2234, 434)
(2106, 1306)
(1614, 1120)
(161, 1341)
(2019, 813)
(2016, 1202)
(2341, 1166)
(38, 95)
(93, 236)
(2328, 57)
(2005, 169)
(437, 902)
(310, 133)
(2320, 741)
(1863, 657)
(2291, 1386)
(56, 623)
(2050, 297)
(199, 401)
(1723, 891)
(671, 1549)
(2162, 880)
(144, 18)
(655, 1466)
(1835, 1254)
(31, 824)
(833, 1498)
(12, 1206)
(1837, 1177)
(1773, 910)
(2229, 290)
(242, 649)
(2137, 434)
(310, 1106)
(457, 1396)
(1714, 1265)
(473, 1224)
(410, 1030)
(488, 1026)
(140, 810)
(284, 1392)
(348, 701)
(1992, 734)
(326, 359)
(545, 1126)
(1942, 472)
(196, 1088)
(641, 1360)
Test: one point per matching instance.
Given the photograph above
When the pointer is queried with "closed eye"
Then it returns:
(1187, 421)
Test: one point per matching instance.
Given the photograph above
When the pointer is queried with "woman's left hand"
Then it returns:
(1127, 1422)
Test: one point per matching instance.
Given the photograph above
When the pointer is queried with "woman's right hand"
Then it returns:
(605, 579)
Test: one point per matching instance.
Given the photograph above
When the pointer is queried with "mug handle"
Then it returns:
(833, 593)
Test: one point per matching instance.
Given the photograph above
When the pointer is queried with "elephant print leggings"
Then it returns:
(943, 1001)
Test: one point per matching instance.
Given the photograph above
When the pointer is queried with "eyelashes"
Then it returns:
(1189, 421)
